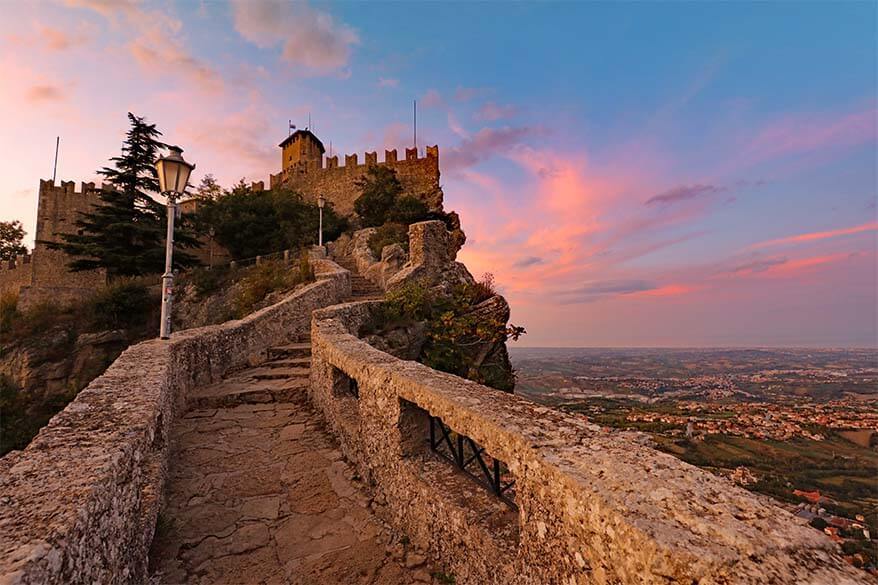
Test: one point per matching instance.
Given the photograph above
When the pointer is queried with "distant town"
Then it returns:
(798, 425)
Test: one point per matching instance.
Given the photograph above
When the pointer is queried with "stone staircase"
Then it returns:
(280, 379)
(362, 289)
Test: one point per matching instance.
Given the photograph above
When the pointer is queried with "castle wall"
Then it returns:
(58, 210)
(15, 274)
(337, 183)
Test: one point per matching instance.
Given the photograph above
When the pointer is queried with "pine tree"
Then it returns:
(125, 233)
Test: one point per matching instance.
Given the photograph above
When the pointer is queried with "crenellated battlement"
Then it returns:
(352, 164)
(48, 186)
(20, 261)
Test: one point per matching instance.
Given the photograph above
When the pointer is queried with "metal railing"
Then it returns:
(462, 452)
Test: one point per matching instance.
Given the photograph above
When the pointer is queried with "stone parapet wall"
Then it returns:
(419, 177)
(79, 504)
(592, 506)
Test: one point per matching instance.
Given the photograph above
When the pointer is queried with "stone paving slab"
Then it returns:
(259, 494)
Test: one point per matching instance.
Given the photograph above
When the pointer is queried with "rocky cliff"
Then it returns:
(436, 312)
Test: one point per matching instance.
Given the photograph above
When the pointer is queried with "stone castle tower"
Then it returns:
(300, 148)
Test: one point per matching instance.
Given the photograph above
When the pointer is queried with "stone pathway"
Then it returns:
(258, 492)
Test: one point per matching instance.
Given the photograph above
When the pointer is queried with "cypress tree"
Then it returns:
(125, 233)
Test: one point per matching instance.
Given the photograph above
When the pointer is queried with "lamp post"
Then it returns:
(320, 203)
(173, 174)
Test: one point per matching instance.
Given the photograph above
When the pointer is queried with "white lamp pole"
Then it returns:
(173, 174)
(320, 203)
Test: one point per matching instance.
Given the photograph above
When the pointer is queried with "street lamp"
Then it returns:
(173, 174)
(320, 203)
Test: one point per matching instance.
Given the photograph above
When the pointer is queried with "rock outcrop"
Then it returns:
(432, 260)
(54, 363)
(432, 265)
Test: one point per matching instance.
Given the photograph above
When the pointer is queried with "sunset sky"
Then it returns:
(633, 174)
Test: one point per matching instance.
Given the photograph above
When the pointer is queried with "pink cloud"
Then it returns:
(43, 37)
(432, 99)
(159, 56)
(388, 82)
(668, 290)
(482, 145)
(807, 132)
(781, 266)
(491, 112)
(45, 93)
(465, 94)
(813, 236)
(309, 37)
(799, 265)
(156, 43)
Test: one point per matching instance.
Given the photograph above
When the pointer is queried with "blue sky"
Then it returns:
(632, 173)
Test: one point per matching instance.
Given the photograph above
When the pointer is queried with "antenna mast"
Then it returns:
(55, 168)
(415, 125)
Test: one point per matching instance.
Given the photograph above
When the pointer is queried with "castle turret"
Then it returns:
(301, 147)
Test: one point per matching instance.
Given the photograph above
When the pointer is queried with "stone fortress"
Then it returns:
(303, 170)
(43, 275)
(284, 448)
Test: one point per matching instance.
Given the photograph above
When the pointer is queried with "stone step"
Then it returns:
(234, 392)
(304, 362)
(293, 350)
(278, 373)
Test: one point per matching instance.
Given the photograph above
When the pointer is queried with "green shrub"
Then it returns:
(250, 224)
(121, 305)
(37, 319)
(389, 233)
(379, 189)
(443, 578)
(266, 278)
(482, 290)
(455, 336)
(207, 281)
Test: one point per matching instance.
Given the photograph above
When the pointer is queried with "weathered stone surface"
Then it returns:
(592, 507)
(393, 258)
(79, 504)
(404, 342)
(432, 253)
